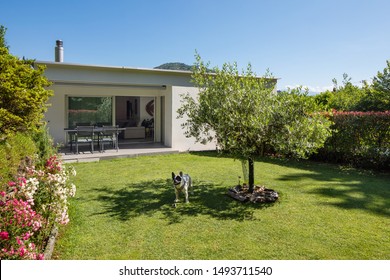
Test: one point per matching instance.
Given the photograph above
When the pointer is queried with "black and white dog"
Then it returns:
(182, 183)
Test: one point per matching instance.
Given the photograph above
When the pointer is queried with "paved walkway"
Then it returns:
(125, 151)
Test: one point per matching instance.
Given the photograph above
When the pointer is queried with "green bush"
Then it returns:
(34, 185)
(23, 94)
(360, 138)
(16, 151)
(44, 143)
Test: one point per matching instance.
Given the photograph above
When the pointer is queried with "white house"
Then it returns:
(142, 101)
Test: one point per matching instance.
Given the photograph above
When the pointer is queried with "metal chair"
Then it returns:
(109, 134)
(84, 135)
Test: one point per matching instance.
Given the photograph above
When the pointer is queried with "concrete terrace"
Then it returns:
(125, 151)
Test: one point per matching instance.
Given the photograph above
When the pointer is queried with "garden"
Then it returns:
(34, 184)
(327, 157)
(324, 211)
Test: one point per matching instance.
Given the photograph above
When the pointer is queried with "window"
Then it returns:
(89, 111)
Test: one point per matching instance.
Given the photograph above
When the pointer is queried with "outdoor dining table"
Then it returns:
(93, 135)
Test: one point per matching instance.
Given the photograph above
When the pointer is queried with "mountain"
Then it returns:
(175, 66)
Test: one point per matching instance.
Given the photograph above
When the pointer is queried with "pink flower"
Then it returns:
(11, 183)
(22, 251)
(31, 246)
(26, 236)
(20, 242)
(4, 235)
(22, 181)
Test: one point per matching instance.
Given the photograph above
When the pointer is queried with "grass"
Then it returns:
(123, 210)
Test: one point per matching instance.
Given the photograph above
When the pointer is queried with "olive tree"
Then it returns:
(244, 114)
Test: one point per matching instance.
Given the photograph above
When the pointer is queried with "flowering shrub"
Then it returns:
(19, 223)
(360, 138)
(31, 205)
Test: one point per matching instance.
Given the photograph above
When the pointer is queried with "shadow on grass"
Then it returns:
(157, 197)
(365, 193)
(355, 189)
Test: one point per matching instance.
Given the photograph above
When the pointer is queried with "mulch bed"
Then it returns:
(260, 194)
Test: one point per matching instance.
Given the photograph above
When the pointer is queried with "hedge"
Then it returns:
(15, 152)
(361, 139)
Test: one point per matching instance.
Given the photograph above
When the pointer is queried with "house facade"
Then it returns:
(143, 102)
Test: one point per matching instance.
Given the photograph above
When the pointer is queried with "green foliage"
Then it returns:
(377, 96)
(3, 43)
(373, 96)
(381, 82)
(23, 100)
(33, 200)
(15, 152)
(225, 108)
(44, 144)
(22, 149)
(298, 129)
(23, 95)
(243, 113)
(342, 98)
(360, 139)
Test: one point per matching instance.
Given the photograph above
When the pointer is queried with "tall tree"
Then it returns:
(3, 43)
(377, 96)
(23, 93)
(344, 97)
(244, 114)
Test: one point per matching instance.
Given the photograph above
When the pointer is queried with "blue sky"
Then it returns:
(302, 42)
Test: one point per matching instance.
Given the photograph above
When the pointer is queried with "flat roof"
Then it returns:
(125, 68)
(137, 69)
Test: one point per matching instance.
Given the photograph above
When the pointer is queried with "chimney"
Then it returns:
(59, 51)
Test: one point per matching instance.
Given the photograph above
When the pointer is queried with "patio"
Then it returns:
(126, 150)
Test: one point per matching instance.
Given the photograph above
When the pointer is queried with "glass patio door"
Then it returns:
(95, 111)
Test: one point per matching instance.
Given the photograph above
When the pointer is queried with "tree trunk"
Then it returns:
(251, 175)
(245, 172)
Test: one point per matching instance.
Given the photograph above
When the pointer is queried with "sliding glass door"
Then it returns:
(89, 111)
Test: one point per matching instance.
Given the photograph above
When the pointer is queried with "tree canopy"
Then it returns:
(244, 114)
(3, 43)
(23, 93)
(371, 96)
(377, 96)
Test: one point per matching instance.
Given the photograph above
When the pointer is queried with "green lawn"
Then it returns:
(123, 210)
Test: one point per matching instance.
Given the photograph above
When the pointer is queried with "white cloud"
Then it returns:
(312, 89)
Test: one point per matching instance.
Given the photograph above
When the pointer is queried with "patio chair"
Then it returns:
(110, 135)
(84, 135)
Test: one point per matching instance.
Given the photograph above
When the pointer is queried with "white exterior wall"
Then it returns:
(164, 86)
(179, 140)
(56, 115)
(168, 115)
